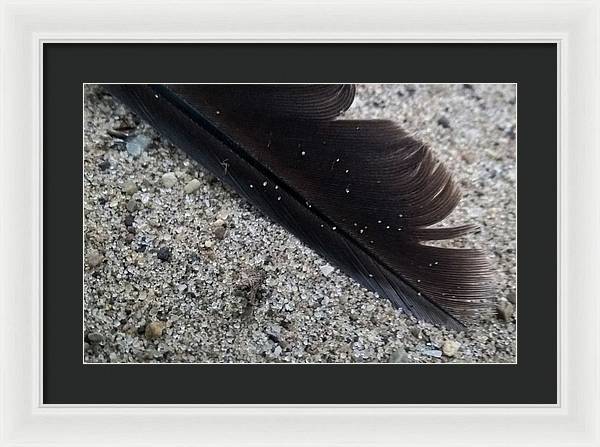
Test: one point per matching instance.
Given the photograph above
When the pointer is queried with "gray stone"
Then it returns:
(505, 309)
(138, 144)
(154, 329)
(130, 188)
(433, 352)
(169, 180)
(132, 205)
(450, 348)
(416, 332)
(220, 232)
(512, 297)
(164, 254)
(95, 337)
(223, 214)
(443, 121)
(192, 186)
(326, 269)
(400, 356)
(94, 258)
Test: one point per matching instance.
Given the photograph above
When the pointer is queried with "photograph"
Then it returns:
(299, 223)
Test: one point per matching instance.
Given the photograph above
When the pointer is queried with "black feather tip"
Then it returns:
(362, 193)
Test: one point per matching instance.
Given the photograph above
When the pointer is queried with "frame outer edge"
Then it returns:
(24, 421)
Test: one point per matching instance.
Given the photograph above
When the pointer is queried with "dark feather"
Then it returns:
(363, 194)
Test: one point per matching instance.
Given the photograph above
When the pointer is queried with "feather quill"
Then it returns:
(362, 193)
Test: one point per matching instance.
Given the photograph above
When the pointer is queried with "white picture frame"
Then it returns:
(573, 25)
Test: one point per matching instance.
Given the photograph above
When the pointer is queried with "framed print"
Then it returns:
(313, 227)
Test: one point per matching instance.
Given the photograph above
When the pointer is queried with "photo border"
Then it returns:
(284, 364)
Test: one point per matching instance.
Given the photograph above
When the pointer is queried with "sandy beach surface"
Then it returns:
(178, 268)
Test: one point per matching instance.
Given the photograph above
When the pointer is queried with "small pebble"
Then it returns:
(154, 329)
(327, 269)
(129, 219)
(192, 186)
(512, 297)
(505, 309)
(400, 356)
(130, 188)
(416, 332)
(132, 205)
(450, 348)
(104, 165)
(208, 244)
(138, 144)
(94, 258)
(443, 121)
(169, 179)
(433, 353)
(164, 254)
(223, 214)
(117, 134)
(95, 337)
(220, 232)
(468, 157)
